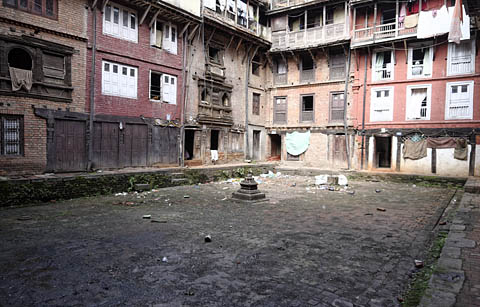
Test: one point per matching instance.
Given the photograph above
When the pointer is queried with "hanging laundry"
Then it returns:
(214, 155)
(20, 78)
(455, 33)
(461, 150)
(414, 150)
(297, 143)
(443, 142)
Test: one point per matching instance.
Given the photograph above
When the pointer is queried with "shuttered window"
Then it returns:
(119, 80)
(54, 65)
(120, 22)
(336, 107)
(280, 107)
(46, 8)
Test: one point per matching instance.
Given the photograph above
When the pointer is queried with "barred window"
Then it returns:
(11, 135)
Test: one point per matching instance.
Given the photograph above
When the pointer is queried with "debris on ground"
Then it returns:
(418, 263)
(121, 194)
(442, 223)
(368, 213)
(158, 221)
(381, 209)
(208, 239)
(24, 218)
(352, 192)
(147, 216)
(164, 259)
(378, 191)
(186, 196)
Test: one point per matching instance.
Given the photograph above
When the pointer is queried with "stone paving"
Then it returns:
(302, 247)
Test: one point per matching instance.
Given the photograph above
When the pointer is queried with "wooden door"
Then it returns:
(70, 149)
(339, 151)
(105, 145)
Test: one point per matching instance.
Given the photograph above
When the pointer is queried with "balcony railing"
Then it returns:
(278, 4)
(381, 32)
(309, 37)
(307, 75)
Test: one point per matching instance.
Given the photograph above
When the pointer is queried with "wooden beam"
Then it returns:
(154, 18)
(313, 58)
(211, 36)
(230, 42)
(105, 2)
(184, 29)
(394, 54)
(94, 3)
(255, 51)
(238, 45)
(145, 15)
(296, 58)
(246, 53)
(406, 51)
(194, 31)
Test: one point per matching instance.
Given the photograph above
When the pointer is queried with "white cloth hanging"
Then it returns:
(415, 103)
(214, 155)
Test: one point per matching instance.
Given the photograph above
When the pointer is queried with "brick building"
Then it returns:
(42, 82)
(138, 80)
(226, 95)
(415, 90)
(307, 76)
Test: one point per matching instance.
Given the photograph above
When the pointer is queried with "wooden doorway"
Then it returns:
(70, 149)
(275, 147)
(339, 151)
(256, 145)
(383, 151)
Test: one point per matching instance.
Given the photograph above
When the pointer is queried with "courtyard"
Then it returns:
(304, 246)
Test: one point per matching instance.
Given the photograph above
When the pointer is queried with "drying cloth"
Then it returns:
(214, 154)
(20, 78)
(297, 143)
(414, 150)
(444, 142)
(431, 25)
(461, 150)
(459, 25)
(411, 21)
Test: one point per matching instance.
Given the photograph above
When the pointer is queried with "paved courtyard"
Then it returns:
(302, 247)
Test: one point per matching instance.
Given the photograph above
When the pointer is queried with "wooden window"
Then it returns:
(11, 135)
(116, 81)
(256, 65)
(459, 102)
(307, 111)
(307, 71)
(155, 86)
(54, 65)
(46, 8)
(337, 65)
(120, 22)
(461, 58)
(256, 104)
(215, 55)
(280, 108)
(418, 101)
(336, 106)
(420, 62)
(381, 104)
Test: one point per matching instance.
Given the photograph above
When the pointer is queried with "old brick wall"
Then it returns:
(68, 30)
(126, 52)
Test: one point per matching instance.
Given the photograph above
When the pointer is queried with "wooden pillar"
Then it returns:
(396, 18)
(367, 150)
(399, 153)
(324, 21)
(471, 165)
(354, 21)
(305, 27)
(434, 160)
(374, 20)
(236, 12)
(345, 27)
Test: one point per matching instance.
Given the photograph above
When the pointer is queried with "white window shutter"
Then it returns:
(123, 82)
(153, 34)
(165, 88)
(132, 84)
(106, 80)
(132, 29)
(173, 39)
(173, 90)
(166, 37)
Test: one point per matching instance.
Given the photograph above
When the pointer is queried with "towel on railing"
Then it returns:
(411, 21)
(214, 154)
(20, 78)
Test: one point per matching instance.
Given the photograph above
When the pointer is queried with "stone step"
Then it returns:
(472, 186)
(177, 175)
(179, 181)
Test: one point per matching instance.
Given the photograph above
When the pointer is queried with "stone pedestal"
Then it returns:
(249, 191)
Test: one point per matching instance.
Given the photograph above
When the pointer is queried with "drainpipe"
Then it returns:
(363, 112)
(345, 94)
(92, 88)
(247, 80)
(184, 91)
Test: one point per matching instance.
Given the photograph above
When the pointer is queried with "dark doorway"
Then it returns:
(214, 140)
(256, 145)
(383, 151)
(275, 147)
(189, 142)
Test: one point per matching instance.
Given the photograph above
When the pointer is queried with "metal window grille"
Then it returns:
(11, 135)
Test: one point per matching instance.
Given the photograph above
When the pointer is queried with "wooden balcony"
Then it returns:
(309, 37)
(279, 4)
(380, 33)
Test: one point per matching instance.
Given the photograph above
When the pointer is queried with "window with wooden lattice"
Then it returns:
(11, 135)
